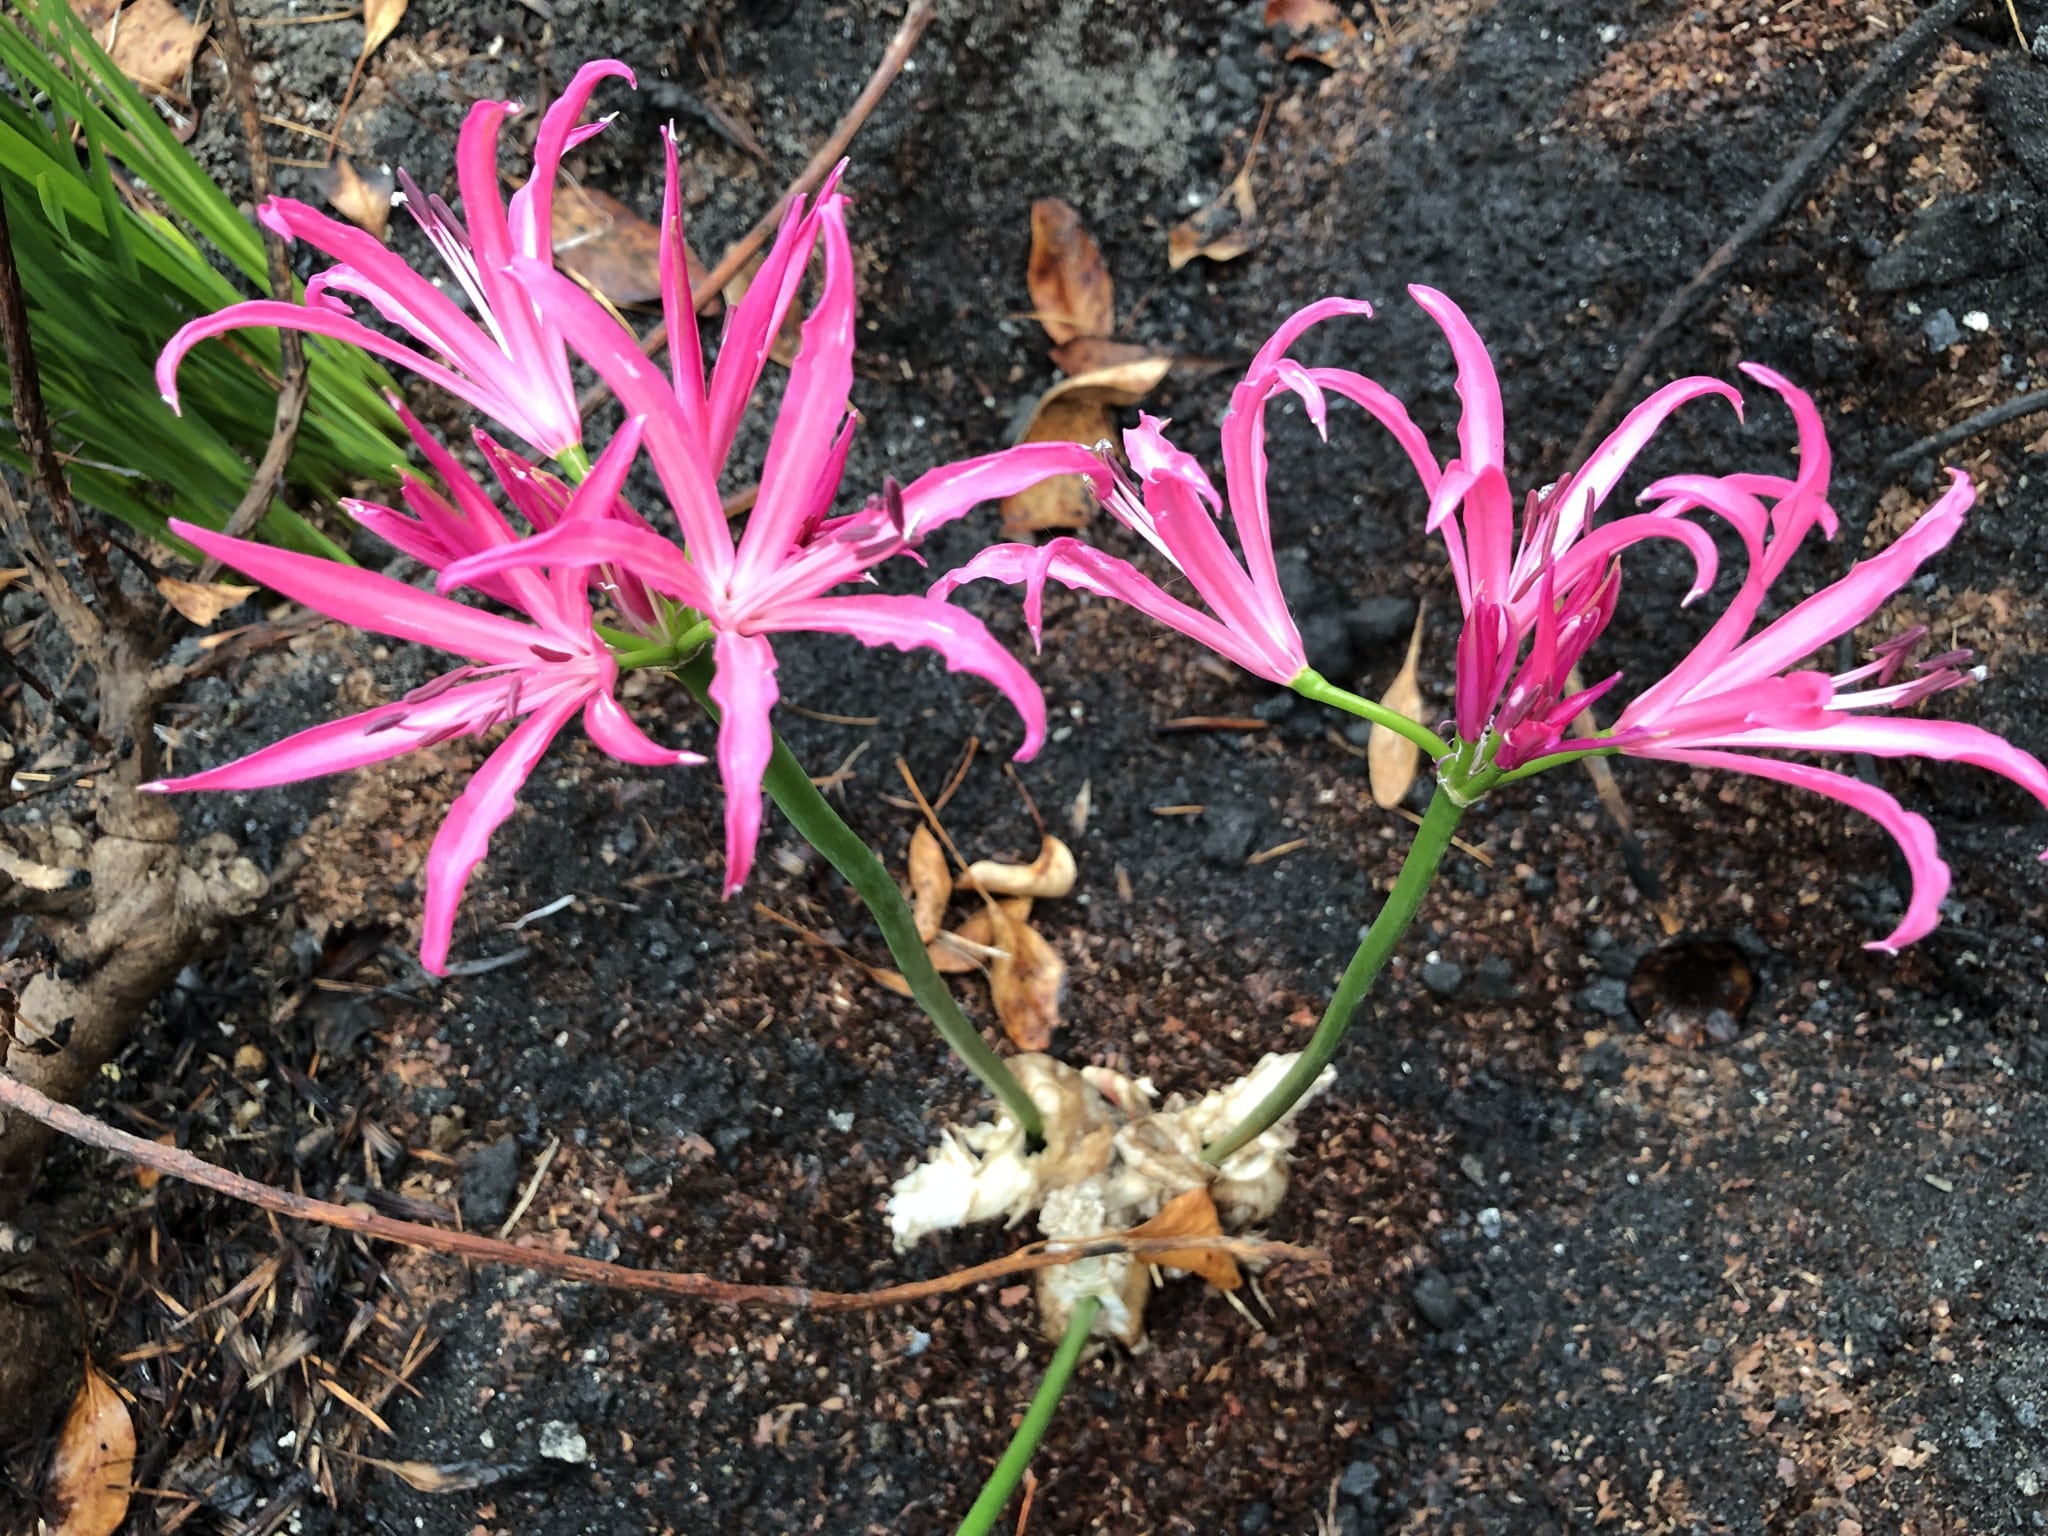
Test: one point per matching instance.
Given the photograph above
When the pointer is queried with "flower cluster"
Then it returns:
(587, 584)
(585, 545)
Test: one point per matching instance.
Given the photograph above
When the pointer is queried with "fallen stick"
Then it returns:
(915, 20)
(180, 1164)
(1883, 72)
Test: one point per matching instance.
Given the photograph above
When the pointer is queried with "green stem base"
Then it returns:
(825, 830)
(995, 1493)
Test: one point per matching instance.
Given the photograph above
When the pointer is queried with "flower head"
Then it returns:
(539, 669)
(1738, 694)
(1533, 607)
(508, 361)
(777, 575)
(1549, 585)
(1176, 507)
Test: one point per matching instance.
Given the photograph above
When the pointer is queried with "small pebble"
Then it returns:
(1941, 331)
(1443, 977)
(1608, 996)
(1435, 1300)
(1360, 1478)
(1489, 1223)
(563, 1441)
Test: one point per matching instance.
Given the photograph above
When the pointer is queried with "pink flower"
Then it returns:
(1739, 694)
(1736, 695)
(1177, 508)
(1553, 588)
(539, 670)
(776, 576)
(508, 361)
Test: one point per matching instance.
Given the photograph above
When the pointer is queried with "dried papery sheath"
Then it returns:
(1110, 1162)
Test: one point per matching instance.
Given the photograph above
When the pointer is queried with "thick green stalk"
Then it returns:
(823, 828)
(1313, 685)
(1374, 950)
(1002, 1482)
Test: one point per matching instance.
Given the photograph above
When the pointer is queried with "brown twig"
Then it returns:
(291, 394)
(1799, 171)
(915, 20)
(32, 428)
(180, 1164)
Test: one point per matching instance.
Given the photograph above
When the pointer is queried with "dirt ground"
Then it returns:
(1578, 1276)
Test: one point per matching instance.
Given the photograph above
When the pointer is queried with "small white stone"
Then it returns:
(1977, 320)
(563, 1441)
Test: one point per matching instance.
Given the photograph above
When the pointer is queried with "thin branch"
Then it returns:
(180, 1164)
(291, 395)
(915, 20)
(1884, 73)
(49, 696)
(32, 428)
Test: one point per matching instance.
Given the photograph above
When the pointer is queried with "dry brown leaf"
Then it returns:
(1192, 1214)
(94, 1464)
(1092, 354)
(98, 16)
(931, 883)
(1050, 874)
(154, 43)
(202, 601)
(1302, 14)
(1076, 410)
(1027, 981)
(11, 575)
(1220, 230)
(1391, 759)
(1070, 287)
(364, 201)
(608, 245)
(1322, 32)
(380, 20)
(955, 954)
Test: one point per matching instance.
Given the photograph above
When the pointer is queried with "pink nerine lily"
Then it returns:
(540, 671)
(1737, 695)
(508, 362)
(1554, 586)
(1734, 696)
(1177, 508)
(775, 577)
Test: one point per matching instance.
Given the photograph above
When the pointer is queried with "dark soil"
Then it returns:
(1578, 1275)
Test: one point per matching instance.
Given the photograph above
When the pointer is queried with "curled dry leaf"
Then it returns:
(1220, 230)
(154, 43)
(1027, 981)
(609, 246)
(364, 201)
(1070, 287)
(94, 1465)
(1092, 354)
(202, 601)
(1323, 32)
(1391, 760)
(931, 883)
(380, 20)
(1050, 874)
(1192, 1213)
(1076, 410)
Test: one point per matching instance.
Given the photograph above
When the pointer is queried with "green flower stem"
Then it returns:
(574, 463)
(1374, 950)
(822, 827)
(1313, 685)
(1002, 1482)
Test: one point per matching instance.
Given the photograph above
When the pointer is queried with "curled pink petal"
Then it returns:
(744, 690)
(465, 835)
